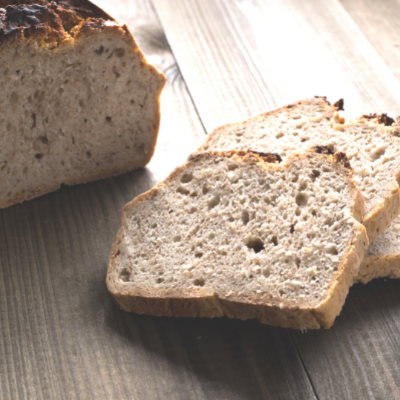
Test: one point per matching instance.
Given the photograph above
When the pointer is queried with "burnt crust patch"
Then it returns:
(45, 20)
(268, 157)
(341, 158)
(339, 105)
(323, 98)
(271, 158)
(322, 150)
(381, 118)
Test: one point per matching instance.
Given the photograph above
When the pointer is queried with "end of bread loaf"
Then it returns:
(229, 234)
(79, 100)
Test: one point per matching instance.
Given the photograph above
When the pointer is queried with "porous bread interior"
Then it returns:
(388, 243)
(242, 230)
(84, 110)
(373, 152)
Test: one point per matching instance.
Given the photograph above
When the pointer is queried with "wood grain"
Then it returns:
(379, 21)
(243, 57)
(61, 335)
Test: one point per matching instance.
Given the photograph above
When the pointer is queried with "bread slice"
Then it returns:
(78, 100)
(233, 234)
(368, 142)
(383, 256)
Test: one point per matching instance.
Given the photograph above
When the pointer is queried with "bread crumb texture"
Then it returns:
(370, 143)
(233, 229)
(79, 100)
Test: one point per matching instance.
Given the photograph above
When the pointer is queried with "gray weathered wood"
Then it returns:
(243, 57)
(379, 21)
(61, 335)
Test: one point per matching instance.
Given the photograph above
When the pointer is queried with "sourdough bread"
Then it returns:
(78, 100)
(383, 256)
(233, 234)
(368, 142)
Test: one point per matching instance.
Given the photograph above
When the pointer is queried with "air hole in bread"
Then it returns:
(160, 280)
(176, 238)
(205, 189)
(279, 135)
(199, 282)
(232, 167)
(331, 249)
(124, 275)
(314, 213)
(213, 202)
(245, 217)
(297, 261)
(198, 255)
(298, 212)
(316, 173)
(186, 178)
(193, 194)
(266, 272)
(292, 228)
(303, 186)
(301, 199)
(295, 178)
(255, 244)
(326, 169)
(88, 154)
(378, 153)
(211, 236)
(154, 225)
(182, 190)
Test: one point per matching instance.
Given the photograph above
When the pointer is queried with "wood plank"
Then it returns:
(379, 21)
(251, 56)
(245, 57)
(61, 335)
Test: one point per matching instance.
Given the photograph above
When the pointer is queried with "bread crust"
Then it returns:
(274, 312)
(382, 266)
(54, 25)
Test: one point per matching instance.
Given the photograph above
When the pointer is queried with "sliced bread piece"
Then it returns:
(233, 234)
(383, 256)
(78, 100)
(373, 152)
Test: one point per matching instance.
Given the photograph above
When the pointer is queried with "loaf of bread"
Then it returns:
(368, 142)
(78, 100)
(240, 235)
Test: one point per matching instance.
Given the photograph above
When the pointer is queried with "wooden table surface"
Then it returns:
(61, 336)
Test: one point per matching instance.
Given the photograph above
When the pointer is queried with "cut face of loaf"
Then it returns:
(78, 100)
(369, 144)
(233, 234)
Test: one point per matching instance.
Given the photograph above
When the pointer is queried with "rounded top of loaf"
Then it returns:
(49, 22)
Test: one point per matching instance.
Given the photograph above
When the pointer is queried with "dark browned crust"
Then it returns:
(342, 159)
(339, 157)
(322, 150)
(46, 21)
(268, 157)
(339, 105)
(381, 118)
(323, 98)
